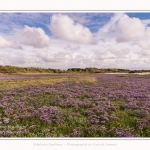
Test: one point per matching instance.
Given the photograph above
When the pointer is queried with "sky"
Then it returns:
(63, 40)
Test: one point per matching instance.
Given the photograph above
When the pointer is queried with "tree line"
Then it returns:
(14, 69)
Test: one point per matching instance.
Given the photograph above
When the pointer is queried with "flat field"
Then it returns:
(75, 105)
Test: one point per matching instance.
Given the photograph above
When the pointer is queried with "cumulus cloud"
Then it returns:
(72, 46)
(46, 56)
(13, 58)
(145, 53)
(79, 18)
(121, 53)
(98, 55)
(64, 27)
(32, 36)
(4, 43)
(144, 44)
(123, 28)
(8, 44)
(49, 56)
(128, 34)
(129, 29)
(123, 42)
(110, 26)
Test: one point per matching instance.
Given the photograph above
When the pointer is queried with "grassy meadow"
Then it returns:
(74, 105)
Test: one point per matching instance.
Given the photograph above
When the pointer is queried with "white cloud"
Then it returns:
(79, 18)
(4, 43)
(108, 27)
(121, 53)
(8, 44)
(111, 58)
(103, 55)
(49, 56)
(32, 36)
(145, 53)
(64, 27)
(126, 36)
(123, 42)
(146, 21)
(72, 46)
(129, 29)
(144, 44)
(12, 58)
(123, 28)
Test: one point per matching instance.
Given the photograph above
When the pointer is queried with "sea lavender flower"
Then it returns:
(93, 128)
(103, 128)
(77, 132)
(140, 124)
(140, 112)
(123, 133)
(7, 133)
(6, 120)
(114, 117)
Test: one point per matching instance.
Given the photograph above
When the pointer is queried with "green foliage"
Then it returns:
(14, 70)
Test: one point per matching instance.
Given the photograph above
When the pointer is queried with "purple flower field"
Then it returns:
(113, 106)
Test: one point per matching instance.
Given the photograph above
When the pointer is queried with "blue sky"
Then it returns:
(68, 40)
(90, 20)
